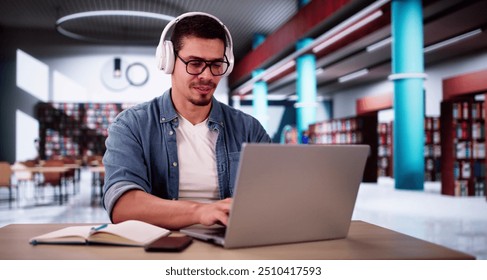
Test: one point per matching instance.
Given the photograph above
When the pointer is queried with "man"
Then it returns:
(172, 161)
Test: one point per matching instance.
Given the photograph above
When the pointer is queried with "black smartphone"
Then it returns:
(169, 244)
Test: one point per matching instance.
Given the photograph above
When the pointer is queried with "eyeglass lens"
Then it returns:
(196, 67)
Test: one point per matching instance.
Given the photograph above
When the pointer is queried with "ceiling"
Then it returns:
(244, 18)
(442, 20)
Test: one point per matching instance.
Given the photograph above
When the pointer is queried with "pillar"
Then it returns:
(259, 91)
(306, 88)
(259, 100)
(407, 76)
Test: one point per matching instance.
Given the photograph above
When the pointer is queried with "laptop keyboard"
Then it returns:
(219, 232)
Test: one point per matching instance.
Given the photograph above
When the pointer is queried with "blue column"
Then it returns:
(408, 75)
(259, 100)
(305, 88)
(259, 91)
(258, 39)
(302, 3)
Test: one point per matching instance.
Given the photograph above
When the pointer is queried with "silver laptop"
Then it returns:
(290, 193)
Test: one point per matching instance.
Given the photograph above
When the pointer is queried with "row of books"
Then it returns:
(385, 139)
(478, 131)
(384, 128)
(432, 137)
(464, 130)
(432, 164)
(479, 188)
(339, 125)
(465, 169)
(384, 151)
(478, 111)
(469, 149)
(432, 123)
(461, 188)
(383, 162)
(462, 110)
(339, 138)
(432, 151)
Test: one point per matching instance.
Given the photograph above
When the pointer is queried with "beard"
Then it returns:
(202, 99)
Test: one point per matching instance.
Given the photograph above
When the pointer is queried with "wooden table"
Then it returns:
(48, 169)
(365, 241)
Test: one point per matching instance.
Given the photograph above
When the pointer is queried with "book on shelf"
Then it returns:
(461, 188)
(128, 233)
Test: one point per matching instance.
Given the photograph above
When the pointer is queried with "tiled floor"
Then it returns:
(459, 223)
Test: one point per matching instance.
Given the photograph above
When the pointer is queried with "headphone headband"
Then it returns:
(165, 50)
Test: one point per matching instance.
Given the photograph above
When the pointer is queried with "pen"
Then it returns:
(93, 229)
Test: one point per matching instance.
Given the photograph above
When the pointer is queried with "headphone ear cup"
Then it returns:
(167, 59)
(231, 60)
(160, 56)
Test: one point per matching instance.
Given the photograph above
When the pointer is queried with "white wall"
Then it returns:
(77, 75)
(344, 102)
(26, 131)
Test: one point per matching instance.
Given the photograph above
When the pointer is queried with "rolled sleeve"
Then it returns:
(115, 191)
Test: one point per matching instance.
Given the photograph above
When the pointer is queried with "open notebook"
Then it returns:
(129, 233)
(290, 193)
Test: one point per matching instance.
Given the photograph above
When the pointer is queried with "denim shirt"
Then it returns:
(142, 150)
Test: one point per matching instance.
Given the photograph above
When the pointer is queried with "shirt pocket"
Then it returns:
(233, 159)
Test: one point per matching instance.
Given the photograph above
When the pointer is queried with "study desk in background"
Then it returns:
(62, 170)
(365, 241)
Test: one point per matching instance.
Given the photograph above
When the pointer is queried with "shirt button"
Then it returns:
(163, 119)
(174, 164)
(171, 132)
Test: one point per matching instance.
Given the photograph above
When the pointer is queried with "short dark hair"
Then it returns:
(199, 26)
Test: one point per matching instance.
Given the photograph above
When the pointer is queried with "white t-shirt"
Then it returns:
(198, 177)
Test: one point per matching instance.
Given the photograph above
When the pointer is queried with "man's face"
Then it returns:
(196, 89)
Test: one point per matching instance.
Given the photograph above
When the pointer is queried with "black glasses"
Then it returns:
(197, 66)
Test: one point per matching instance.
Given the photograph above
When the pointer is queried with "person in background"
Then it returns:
(172, 161)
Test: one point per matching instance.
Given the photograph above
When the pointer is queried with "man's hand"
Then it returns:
(214, 213)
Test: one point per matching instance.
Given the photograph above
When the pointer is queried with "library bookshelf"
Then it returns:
(432, 149)
(346, 131)
(463, 111)
(74, 130)
(384, 150)
(463, 147)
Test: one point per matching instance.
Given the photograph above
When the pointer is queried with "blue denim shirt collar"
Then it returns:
(169, 113)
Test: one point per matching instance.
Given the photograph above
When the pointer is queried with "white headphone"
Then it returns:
(165, 50)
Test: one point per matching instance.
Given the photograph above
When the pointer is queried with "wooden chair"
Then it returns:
(71, 175)
(6, 182)
(53, 179)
